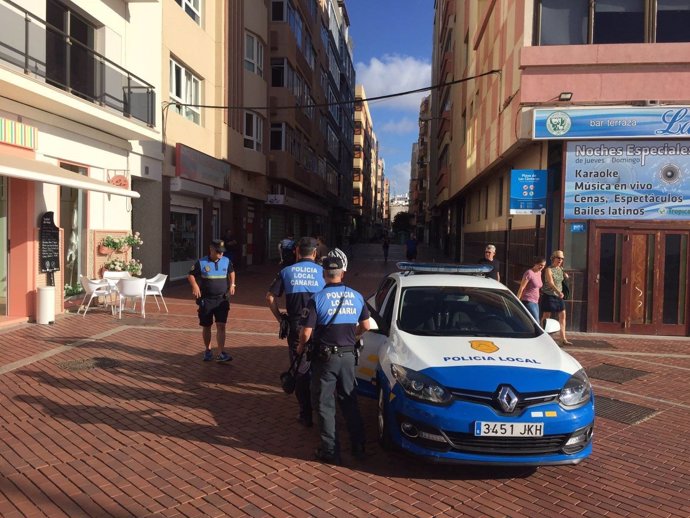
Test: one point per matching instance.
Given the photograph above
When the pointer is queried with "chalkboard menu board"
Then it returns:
(49, 241)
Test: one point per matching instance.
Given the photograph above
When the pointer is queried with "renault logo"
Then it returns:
(507, 399)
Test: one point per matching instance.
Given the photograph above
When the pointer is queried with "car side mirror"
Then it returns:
(552, 326)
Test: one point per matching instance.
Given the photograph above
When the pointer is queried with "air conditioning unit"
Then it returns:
(651, 102)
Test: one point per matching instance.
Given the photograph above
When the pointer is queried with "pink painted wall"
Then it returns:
(606, 73)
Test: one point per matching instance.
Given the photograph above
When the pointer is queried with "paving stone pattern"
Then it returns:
(155, 432)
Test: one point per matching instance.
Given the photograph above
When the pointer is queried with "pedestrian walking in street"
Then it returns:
(231, 247)
(321, 249)
(531, 284)
(411, 248)
(298, 282)
(334, 320)
(386, 245)
(212, 279)
(490, 259)
(553, 298)
(286, 249)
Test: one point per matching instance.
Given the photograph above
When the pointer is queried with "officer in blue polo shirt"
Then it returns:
(334, 319)
(299, 282)
(213, 281)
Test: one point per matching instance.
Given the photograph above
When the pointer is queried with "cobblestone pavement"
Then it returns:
(107, 417)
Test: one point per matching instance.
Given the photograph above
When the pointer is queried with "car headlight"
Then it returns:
(419, 386)
(577, 390)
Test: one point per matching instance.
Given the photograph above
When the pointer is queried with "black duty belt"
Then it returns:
(335, 349)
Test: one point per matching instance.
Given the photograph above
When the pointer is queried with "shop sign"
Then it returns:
(49, 244)
(200, 167)
(627, 180)
(663, 122)
(528, 191)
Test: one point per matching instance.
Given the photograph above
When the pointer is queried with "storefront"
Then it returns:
(50, 183)
(625, 225)
(199, 207)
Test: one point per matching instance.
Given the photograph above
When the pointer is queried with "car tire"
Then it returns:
(383, 423)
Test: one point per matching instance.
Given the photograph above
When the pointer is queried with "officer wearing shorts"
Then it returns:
(334, 318)
(299, 282)
(213, 281)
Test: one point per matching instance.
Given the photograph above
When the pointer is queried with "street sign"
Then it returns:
(528, 191)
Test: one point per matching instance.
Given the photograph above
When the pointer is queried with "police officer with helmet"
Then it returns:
(299, 282)
(334, 319)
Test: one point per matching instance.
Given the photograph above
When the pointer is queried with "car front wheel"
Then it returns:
(383, 424)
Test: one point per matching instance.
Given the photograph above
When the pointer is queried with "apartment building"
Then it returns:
(563, 125)
(311, 98)
(364, 168)
(79, 107)
(419, 176)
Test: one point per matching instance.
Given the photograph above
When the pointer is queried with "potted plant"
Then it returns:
(110, 244)
(131, 240)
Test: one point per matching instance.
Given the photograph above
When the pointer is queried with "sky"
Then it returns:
(392, 53)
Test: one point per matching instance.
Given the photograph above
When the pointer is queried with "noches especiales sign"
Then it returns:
(633, 180)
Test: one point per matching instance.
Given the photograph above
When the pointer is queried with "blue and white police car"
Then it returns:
(463, 373)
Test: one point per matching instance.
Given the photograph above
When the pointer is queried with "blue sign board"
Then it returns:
(627, 180)
(528, 191)
(606, 123)
(578, 228)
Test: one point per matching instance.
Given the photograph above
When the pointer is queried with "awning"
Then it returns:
(37, 171)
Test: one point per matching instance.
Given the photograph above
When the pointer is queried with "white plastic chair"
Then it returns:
(132, 288)
(92, 288)
(112, 277)
(154, 286)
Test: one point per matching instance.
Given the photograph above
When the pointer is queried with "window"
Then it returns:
(277, 136)
(619, 21)
(192, 8)
(579, 22)
(278, 72)
(278, 11)
(253, 54)
(185, 88)
(672, 21)
(253, 131)
(500, 196)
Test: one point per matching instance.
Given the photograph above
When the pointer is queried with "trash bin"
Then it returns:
(45, 306)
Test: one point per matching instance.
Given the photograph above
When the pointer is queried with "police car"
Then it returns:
(462, 372)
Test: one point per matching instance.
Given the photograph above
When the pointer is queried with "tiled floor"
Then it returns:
(153, 431)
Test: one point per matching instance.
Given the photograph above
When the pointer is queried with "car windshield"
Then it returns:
(458, 311)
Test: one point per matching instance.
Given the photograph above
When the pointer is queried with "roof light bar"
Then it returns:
(464, 269)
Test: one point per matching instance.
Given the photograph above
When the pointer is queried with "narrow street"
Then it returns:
(107, 417)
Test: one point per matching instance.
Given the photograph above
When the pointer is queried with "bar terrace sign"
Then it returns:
(665, 122)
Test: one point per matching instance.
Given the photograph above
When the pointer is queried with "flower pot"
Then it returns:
(104, 250)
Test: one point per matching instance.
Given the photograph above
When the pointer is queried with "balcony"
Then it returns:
(50, 59)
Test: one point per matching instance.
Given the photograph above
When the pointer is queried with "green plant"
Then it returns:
(133, 240)
(73, 289)
(114, 243)
(119, 265)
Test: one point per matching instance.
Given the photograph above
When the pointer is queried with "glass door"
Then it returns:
(184, 240)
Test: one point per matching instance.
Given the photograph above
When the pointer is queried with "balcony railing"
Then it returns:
(42, 50)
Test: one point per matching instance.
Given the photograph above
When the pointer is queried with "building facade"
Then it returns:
(311, 98)
(570, 92)
(79, 105)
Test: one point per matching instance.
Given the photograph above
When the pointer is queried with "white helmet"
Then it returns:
(337, 252)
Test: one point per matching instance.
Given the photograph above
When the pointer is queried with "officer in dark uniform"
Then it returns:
(336, 317)
(213, 281)
(299, 282)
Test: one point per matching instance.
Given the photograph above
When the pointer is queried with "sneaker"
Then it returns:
(208, 355)
(223, 357)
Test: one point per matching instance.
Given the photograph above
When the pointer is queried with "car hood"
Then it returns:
(528, 364)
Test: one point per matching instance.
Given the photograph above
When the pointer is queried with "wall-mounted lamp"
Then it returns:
(565, 96)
